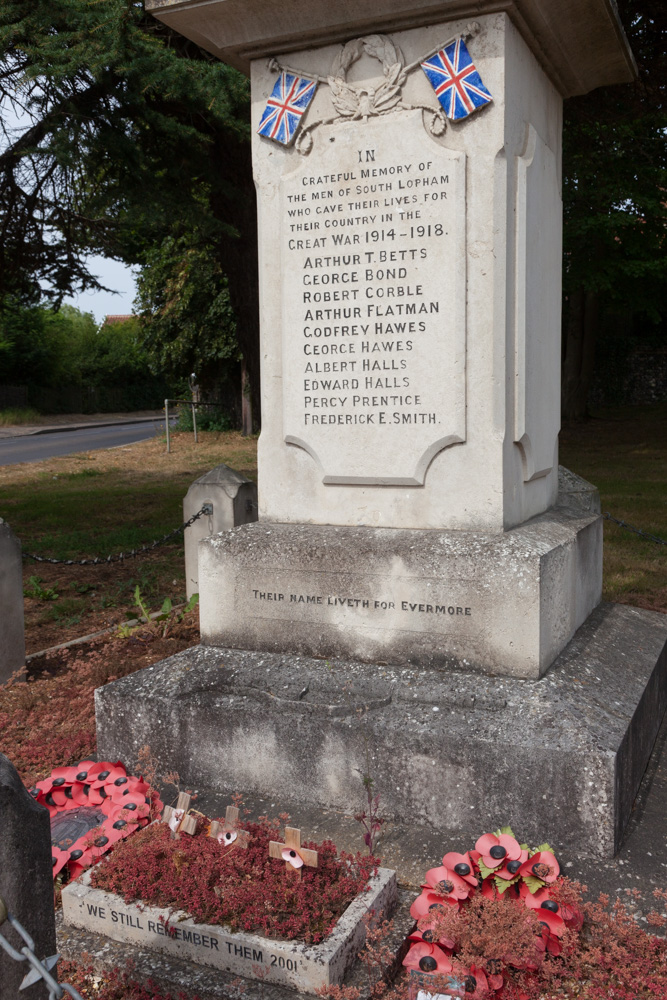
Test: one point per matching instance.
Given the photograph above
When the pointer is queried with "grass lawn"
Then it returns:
(623, 452)
(101, 502)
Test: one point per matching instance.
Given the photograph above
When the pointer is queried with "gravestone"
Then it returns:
(414, 525)
(233, 500)
(12, 636)
(26, 879)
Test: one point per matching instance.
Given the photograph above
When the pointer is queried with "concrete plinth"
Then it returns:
(504, 604)
(560, 758)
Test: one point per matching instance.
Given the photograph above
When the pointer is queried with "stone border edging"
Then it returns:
(305, 968)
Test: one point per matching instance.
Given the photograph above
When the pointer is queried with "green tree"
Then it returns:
(26, 349)
(133, 135)
(64, 348)
(615, 202)
(188, 321)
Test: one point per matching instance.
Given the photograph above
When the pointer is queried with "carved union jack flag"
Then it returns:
(288, 102)
(457, 84)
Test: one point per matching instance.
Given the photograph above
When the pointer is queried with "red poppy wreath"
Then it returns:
(504, 872)
(92, 806)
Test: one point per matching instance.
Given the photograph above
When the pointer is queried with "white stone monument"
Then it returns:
(410, 274)
(412, 514)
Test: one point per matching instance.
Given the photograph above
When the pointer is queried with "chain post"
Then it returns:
(39, 970)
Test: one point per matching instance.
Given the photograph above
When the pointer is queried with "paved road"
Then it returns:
(40, 446)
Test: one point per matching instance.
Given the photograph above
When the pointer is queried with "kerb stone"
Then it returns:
(26, 879)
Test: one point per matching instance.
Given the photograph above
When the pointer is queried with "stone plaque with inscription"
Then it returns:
(374, 302)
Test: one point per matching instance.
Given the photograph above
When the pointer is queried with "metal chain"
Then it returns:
(207, 508)
(39, 971)
(638, 531)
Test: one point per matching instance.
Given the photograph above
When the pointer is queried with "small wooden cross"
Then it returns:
(229, 832)
(183, 823)
(292, 849)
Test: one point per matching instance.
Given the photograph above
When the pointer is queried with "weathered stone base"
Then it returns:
(305, 968)
(503, 604)
(560, 758)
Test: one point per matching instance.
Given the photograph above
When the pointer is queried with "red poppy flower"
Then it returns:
(428, 903)
(60, 859)
(427, 934)
(542, 865)
(81, 793)
(107, 777)
(428, 958)
(134, 812)
(63, 797)
(547, 909)
(546, 941)
(510, 869)
(82, 769)
(446, 882)
(496, 851)
(475, 983)
(461, 865)
(574, 919)
(494, 975)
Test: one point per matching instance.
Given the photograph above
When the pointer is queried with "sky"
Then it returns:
(114, 275)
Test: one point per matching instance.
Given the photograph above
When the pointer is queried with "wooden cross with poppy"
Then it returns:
(177, 817)
(228, 833)
(292, 853)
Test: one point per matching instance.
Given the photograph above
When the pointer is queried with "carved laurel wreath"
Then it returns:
(359, 103)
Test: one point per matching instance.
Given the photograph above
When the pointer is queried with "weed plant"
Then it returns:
(115, 985)
(14, 416)
(209, 418)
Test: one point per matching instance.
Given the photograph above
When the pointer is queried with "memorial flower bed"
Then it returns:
(241, 889)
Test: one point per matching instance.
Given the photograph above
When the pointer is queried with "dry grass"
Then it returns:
(147, 459)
